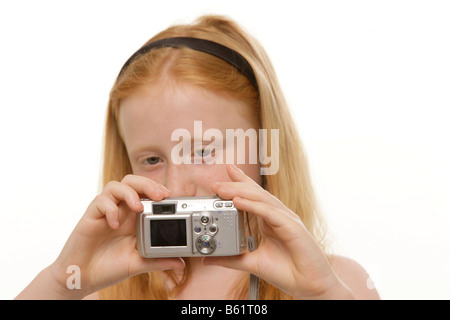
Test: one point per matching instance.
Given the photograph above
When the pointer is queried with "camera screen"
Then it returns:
(168, 233)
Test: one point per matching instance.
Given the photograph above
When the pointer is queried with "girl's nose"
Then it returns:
(179, 181)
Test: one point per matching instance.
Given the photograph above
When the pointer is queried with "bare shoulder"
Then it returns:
(355, 277)
(92, 296)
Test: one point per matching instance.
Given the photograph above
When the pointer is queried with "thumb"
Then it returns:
(243, 262)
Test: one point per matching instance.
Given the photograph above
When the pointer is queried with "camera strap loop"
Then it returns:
(253, 287)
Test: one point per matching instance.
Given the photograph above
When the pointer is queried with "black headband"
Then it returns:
(213, 48)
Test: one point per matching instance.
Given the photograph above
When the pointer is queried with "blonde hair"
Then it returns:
(291, 184)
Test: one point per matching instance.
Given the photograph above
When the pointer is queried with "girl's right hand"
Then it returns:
(103, 244)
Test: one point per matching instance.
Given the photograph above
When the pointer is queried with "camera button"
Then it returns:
(197, 229)
(213, 228)
(205, 218)
(205, 244)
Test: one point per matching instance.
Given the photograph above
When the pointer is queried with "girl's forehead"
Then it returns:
(174, 106)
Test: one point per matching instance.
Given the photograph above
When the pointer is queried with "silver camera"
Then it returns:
(190, 227)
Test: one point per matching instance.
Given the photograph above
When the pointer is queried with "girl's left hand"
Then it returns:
(287, 256)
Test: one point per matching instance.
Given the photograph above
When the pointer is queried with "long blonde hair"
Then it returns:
(291, 184)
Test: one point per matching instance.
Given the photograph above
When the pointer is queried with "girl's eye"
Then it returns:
(203, 153)
(152, 160)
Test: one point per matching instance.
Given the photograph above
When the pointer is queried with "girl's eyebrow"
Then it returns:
(144, 148)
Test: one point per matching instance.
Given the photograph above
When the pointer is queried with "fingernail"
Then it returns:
(167, 192)
(138, 204)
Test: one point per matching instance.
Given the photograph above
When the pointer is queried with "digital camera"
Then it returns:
(190, 227)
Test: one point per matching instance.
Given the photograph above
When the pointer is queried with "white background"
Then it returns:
(368, 83)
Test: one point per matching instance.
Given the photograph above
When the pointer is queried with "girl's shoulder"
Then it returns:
(354, 276)
(92, 296)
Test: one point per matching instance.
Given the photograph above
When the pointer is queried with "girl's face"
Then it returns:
(149, 117)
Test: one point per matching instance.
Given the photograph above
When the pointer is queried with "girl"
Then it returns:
(215, 73)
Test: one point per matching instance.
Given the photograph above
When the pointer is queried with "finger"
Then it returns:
(114, 195)
(147, 187)
(229, 190)
(106, 207)
(256, 193)
(238, 175)
(122, 192)
(243, 262)
(275, 217)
